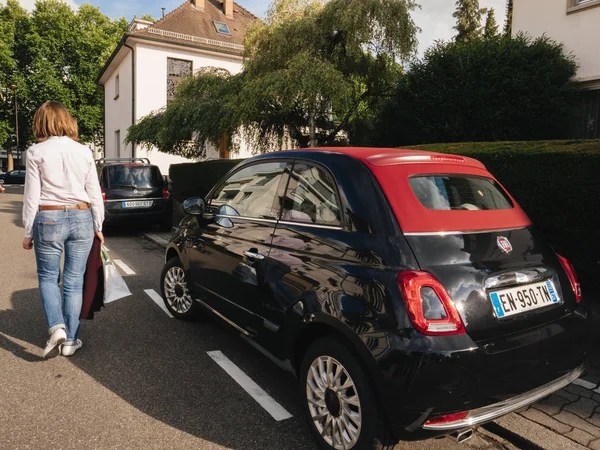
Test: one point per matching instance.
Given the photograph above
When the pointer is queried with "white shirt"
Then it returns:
(61, 172)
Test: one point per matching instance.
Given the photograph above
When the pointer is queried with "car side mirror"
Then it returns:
(194, 206)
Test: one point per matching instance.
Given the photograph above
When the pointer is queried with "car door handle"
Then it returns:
(254, 255)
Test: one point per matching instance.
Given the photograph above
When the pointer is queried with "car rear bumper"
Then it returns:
(422, 378)
(491, 412)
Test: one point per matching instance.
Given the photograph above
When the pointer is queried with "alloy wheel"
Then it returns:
(176, 292)
(333, 403)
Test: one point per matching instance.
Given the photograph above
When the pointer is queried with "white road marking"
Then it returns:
(158, 239)
(584, 383)
(124, 267)
(158, 300)
(256, 392)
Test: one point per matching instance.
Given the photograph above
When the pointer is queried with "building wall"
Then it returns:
(576, 28)
(118, 111)
(151, 90)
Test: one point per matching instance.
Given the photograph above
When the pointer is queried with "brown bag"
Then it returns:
(93, 283)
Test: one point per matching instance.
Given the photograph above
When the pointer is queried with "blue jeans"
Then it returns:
(53, 232)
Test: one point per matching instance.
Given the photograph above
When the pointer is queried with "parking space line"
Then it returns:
(584, 383)
(124, 267)
(277, 411)
(158, 300)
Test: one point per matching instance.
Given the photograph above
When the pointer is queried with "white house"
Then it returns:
(141, 75)
(575, 23)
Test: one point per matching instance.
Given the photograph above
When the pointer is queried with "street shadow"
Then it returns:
(128, 229)
(160, 367)
(13, 208)
(26, 323)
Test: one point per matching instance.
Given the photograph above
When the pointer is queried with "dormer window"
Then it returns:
(222, 27)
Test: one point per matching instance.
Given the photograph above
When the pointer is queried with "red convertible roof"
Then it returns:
(394, 167)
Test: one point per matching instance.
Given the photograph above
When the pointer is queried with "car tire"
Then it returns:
(175, 293)
(362, 422)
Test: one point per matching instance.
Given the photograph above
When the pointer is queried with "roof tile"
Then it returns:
(192, 21)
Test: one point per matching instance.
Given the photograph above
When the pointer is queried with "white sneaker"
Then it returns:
(70, 348)
(53, 345)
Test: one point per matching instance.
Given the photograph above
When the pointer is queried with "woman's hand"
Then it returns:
(100, 236)
(28, 243)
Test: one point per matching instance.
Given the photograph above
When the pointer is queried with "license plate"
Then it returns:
(509, 302)
(139, 204)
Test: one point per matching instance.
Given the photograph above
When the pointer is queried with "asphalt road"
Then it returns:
(142, 379)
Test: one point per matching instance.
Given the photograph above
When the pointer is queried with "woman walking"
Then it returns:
(62, 210)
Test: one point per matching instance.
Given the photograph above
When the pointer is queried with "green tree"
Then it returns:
(56, 55)
(499, 89)
(204, 107)
(468, 17)
(509, 18)
(147, 17)
(313, 72)
(14, 21)
(490, 28)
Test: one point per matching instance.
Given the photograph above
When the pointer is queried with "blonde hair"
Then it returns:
(53, 119)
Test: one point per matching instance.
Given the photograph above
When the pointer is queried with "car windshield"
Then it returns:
(459, 192)
(133, 176)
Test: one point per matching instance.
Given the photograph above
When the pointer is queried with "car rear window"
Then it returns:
(459, 192)
(134, 176)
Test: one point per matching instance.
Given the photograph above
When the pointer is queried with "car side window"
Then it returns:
(251, 192)
(311, 197)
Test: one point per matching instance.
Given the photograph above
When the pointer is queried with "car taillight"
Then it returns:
(447, 418)
(447, 158)
(430, 308)
(166, 194)
(570, 270)
(104, 196)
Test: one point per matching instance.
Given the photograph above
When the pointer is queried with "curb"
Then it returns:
(157, 239)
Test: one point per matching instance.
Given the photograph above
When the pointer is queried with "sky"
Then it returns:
(434, 18)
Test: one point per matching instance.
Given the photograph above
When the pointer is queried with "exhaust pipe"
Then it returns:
(463, 436)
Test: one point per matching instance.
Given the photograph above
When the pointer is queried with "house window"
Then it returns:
(177, 69)
(117, 87)
(118, 143)
(222, 27)
(580, 5)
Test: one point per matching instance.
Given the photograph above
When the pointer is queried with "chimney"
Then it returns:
(198, 3)
(228, 8)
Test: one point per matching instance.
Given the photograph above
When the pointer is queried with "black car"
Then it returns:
(407, 290)
(134, 191)
(13, 177)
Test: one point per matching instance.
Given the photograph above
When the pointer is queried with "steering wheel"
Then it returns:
(469, 207)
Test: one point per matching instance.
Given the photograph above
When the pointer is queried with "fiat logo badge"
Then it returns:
(504, 244)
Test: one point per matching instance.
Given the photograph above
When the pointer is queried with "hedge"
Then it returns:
(556, 182)
(197, 179)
